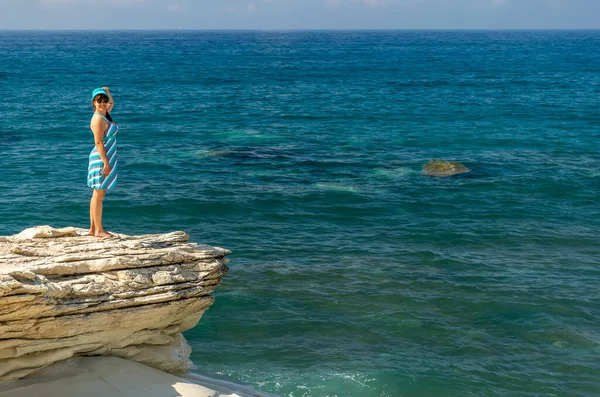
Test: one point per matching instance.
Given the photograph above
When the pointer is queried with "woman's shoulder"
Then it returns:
(97, 117)
(98, 120)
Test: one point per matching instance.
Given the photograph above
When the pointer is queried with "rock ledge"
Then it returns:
(63, 294)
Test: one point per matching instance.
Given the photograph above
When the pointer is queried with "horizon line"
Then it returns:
(296, 29)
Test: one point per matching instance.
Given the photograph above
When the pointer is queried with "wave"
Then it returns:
(225, 386)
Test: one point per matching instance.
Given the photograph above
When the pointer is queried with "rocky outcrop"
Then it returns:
(444, 168)
(63, 294)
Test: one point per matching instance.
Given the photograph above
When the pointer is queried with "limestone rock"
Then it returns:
(444, 168)
(64, 294)
(115, 377)
(45, 232)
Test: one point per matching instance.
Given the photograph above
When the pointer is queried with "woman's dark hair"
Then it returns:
(94, 107)
(109, 118)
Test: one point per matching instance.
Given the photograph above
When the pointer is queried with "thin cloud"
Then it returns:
(174, 7)
(371, 3)
(248, 8)
(57, 2)
(498, 3)
(128, 2)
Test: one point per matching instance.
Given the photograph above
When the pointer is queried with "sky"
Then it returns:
(298, 14)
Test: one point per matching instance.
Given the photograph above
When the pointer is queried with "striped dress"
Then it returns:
(95, 179)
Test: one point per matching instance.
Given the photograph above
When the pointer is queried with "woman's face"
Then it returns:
(101, 102)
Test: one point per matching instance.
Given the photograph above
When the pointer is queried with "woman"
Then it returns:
(102, 170)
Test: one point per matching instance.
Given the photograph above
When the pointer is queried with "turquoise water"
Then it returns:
(351, 273)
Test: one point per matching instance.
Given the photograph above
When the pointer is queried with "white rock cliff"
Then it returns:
(64, 295)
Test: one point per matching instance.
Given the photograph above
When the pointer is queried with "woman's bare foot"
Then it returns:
(103, 234)
(92, 232)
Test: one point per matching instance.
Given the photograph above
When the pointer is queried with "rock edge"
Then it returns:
(63, 294)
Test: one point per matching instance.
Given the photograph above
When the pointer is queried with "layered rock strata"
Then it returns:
(63, 294)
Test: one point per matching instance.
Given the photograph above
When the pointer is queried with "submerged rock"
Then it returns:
(444, 168)
(63, 294)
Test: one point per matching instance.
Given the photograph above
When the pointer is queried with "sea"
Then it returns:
(351, 272)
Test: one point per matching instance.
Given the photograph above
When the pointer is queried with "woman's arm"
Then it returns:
(98, 128)
(111, 102)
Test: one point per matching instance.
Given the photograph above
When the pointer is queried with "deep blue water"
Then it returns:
(351, 274)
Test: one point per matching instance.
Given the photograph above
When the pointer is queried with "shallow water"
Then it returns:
(351, 273)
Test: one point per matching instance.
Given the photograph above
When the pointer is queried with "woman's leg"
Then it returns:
(96, 209)
(92, 225)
